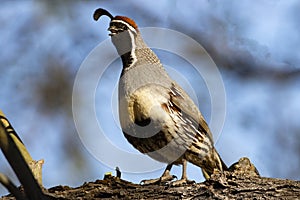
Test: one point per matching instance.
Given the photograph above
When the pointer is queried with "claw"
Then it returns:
(163, 179)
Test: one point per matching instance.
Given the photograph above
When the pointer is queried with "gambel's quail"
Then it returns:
(156, 115)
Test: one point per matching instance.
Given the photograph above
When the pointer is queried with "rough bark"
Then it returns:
(221, 186)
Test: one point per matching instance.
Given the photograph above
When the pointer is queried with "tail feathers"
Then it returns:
(224, 166)
(213, 162)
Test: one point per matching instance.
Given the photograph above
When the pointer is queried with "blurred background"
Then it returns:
(256, 47)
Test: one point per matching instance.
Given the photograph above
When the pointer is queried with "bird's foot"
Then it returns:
(183, 181)
(163, 179)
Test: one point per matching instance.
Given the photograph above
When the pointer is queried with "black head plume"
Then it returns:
(99, 12)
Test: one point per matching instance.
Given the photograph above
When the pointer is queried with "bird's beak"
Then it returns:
(113, 31)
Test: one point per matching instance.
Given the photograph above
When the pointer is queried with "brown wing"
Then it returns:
(181, 102)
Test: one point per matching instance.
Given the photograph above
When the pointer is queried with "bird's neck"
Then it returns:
(134, 51)
(128, 59)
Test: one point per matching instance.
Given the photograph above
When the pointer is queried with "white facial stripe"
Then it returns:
(133, 49)
(121, 21)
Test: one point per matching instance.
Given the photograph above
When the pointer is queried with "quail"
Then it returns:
(156, 115)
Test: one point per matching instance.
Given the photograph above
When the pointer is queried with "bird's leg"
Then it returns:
(165, 177)
(184, 179)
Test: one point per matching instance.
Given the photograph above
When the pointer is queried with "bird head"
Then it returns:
(123, 30)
